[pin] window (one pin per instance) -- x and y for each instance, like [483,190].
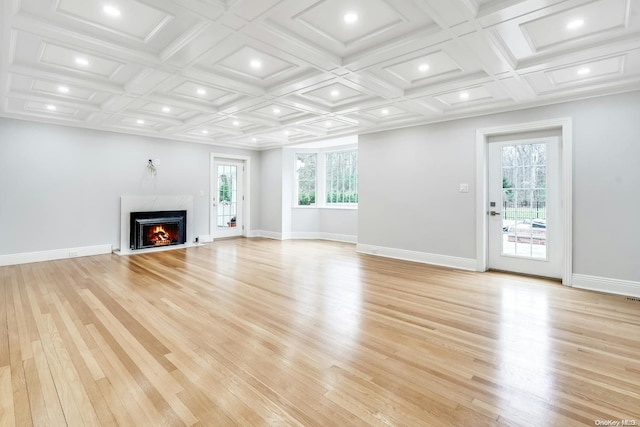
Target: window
[332,176]
[306,174]
[341,170]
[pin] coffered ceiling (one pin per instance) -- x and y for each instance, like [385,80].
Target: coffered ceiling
[266,73]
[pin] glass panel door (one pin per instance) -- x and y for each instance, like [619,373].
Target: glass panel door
[524,200]
[524,227]
[227,195]
[228,198]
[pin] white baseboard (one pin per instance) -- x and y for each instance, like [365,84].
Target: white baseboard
[422,257]
[605,284]
[25,258]
[304,236]
[346,238]
[205,238]
[253,233]
[128,251]
[266,234]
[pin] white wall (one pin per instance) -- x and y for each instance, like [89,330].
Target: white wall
[305,220]
[60,187]
[339,223]
[271,192]
[408,190]
[324,223]
[408,185]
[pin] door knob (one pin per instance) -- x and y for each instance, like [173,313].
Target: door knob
[494,213]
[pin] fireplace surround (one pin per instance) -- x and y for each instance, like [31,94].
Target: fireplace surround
[155,203]
[154,229]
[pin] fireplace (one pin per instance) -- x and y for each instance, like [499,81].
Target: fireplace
[156,229]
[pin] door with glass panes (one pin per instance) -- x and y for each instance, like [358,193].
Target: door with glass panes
[524,212]
[228,198]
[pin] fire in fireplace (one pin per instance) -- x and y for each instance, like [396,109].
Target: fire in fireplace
[161,228]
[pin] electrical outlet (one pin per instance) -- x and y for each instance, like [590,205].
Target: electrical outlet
[464,188]
[73,254]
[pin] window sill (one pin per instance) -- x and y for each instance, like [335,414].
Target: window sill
[337,208]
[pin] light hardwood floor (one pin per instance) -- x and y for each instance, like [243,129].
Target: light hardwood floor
[304,333]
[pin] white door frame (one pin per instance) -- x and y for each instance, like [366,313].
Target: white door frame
[566,177]
[246,187]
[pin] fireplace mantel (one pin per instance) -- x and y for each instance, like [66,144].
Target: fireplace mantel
[130,204]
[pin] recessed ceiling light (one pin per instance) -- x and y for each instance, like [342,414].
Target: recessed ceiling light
[385,111]
[140,121]
[255,64]
[254,139]
[201,91]
[286,132]
[111,11]
[335,93]
[276,111]
[577,23]
[328,124]
[82,61]
[51,107]
[584,71]
[205,132]
[423,67]
[63,89]
[236,123]
[350,17]
[166,109]
[464,95]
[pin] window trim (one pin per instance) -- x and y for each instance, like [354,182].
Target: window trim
[321,174]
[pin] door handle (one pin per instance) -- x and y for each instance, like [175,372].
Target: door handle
[493,213]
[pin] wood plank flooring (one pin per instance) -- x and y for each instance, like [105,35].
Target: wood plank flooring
[259,332]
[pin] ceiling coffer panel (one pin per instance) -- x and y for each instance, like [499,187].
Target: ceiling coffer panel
[267,73]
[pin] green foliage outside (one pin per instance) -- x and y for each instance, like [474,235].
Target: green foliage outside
[342,177]
[507,189]
[342,197]
[524,181]
[224,189]
[306,169]
[306,199]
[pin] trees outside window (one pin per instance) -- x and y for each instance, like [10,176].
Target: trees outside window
[331,177]
[224,189]
[306,174]
[524,177]
[342,177]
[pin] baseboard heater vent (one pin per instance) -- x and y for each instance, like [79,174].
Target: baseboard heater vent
[633,299]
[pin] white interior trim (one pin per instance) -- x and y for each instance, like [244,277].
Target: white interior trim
[246,190]
[415,256]
[54,254]
[605,284]
[482,140]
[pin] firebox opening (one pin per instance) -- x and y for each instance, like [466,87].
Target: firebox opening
[154,229]
[161,235]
